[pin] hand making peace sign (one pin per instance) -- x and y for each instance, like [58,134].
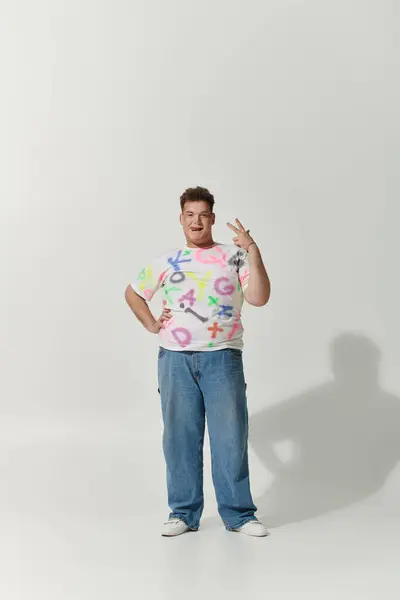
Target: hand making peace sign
[243,238]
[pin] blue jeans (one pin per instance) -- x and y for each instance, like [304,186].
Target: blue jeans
[193,386]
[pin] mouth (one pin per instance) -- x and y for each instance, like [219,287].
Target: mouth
[196,229]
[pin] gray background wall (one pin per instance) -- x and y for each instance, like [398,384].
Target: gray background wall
[288,112]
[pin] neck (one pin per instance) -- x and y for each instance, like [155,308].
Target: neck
[203,245]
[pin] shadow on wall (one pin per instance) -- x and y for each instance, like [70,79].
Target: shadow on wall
[344,438]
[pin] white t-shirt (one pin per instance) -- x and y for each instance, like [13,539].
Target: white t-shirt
[203,287]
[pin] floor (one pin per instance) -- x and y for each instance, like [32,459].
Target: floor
[80,519]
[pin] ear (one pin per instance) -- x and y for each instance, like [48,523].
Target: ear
[213,219]
[181,219]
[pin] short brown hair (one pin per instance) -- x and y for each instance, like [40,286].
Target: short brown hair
[197,194]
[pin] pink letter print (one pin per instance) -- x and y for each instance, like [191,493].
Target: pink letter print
[211,258]
[226,289]
[189,296]
[182,336]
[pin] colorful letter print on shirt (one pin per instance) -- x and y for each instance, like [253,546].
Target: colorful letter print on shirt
[203,287]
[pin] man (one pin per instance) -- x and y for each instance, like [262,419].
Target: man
[200,367]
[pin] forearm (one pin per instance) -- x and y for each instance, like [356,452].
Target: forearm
[140,308]
[258,288]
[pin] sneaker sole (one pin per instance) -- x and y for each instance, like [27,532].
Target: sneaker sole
[248,534]
[178,534]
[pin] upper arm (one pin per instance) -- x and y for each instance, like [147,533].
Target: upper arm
[130,292]
[131,296]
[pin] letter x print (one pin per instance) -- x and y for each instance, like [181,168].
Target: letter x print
[214,329]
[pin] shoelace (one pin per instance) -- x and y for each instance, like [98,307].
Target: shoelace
[172,521]
[252,522]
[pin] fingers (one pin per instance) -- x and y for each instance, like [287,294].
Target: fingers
[235,229]
[239,228]
[166,315]
[239,240]
[240,225]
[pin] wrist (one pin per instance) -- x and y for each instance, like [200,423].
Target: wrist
[250,245]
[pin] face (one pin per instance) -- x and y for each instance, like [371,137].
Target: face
[197,221]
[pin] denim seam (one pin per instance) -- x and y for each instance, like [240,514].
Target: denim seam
[231,528]
[183,521]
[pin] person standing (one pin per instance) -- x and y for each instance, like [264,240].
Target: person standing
[200,364]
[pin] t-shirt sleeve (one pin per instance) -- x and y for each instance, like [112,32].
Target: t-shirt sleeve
[150,279]
[244,269]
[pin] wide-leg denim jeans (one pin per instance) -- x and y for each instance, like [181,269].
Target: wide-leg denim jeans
[195,386]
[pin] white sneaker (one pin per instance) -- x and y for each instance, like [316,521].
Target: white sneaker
[175,527]
[253,528]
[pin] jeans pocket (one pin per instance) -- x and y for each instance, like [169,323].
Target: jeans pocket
[161,352]
[235,352]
